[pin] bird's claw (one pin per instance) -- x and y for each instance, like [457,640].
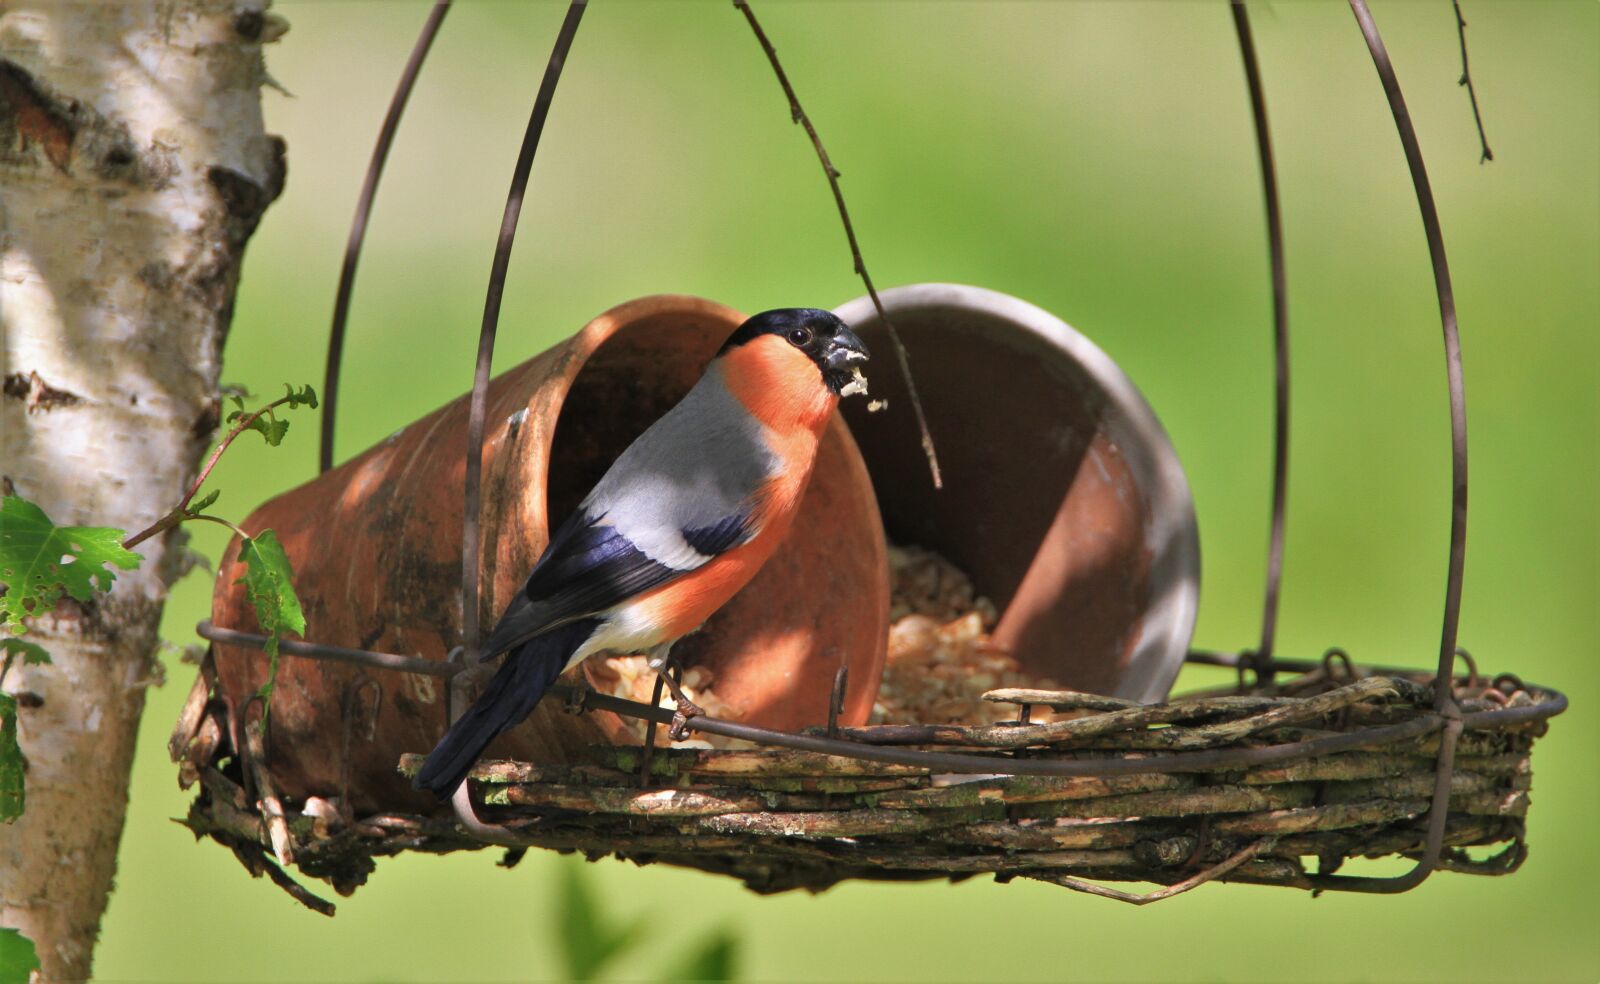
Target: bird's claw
[686,709]
[680,719]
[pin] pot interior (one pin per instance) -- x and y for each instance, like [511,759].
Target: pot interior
[1048,485]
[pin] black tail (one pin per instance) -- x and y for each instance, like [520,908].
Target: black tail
[510,696]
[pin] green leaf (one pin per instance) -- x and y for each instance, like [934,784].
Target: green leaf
[12,764]
[587,941]
[18,958]
[269,584]
[302,397]
[712,960]
[32,655]
[200,504]
[39,560]
[269,427]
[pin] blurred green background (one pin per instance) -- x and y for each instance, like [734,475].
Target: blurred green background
[1096,159]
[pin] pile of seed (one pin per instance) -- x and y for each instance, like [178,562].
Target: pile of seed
[941,657]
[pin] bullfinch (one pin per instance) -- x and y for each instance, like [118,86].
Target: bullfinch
[682,520]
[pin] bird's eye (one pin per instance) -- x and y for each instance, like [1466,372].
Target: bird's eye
[799,336]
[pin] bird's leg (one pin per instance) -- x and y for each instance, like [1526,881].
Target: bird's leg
[686,708]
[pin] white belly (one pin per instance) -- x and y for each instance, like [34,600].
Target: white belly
[625,630]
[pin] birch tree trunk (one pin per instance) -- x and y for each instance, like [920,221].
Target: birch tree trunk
[133,168]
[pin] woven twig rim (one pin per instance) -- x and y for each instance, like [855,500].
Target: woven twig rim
[782,818]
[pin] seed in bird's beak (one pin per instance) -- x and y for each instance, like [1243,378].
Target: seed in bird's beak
[857,383]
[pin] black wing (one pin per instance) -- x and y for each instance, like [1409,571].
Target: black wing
[586,569]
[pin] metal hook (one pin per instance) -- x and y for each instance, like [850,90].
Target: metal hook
[1472,667]
[1336,654]
[836,700]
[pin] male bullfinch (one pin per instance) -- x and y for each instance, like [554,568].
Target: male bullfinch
[682,520]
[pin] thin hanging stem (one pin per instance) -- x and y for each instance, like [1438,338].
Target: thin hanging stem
[799,116]
[1466,80]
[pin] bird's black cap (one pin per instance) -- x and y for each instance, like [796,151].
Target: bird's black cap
[820,334]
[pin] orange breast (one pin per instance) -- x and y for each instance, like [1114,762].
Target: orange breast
[683,605]
[781,388]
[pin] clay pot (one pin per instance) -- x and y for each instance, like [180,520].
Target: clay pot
[1063,498]
[376,546]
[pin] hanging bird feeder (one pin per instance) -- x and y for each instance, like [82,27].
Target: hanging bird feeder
[1080,531]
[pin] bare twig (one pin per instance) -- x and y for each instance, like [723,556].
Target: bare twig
[1466,80]
[268,802]
[257,863]
[1216,871]
[799,116]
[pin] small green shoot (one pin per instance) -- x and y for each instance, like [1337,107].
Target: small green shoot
[264,421]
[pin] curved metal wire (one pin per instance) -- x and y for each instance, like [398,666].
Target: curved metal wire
[470,539]
[1444,697]
[471,514]
[1452,333]
[1280,338]
[358,226]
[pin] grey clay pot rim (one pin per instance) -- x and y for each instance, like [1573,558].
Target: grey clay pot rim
[1171,532]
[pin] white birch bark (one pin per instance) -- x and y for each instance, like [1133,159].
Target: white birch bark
[133,167]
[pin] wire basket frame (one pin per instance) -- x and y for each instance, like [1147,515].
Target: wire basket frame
[1446,716]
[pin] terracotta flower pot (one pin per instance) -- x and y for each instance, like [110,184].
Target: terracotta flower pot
[376,545]
[1063,498]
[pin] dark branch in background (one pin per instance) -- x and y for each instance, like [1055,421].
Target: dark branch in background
[358,225]
[799,116]
[1466,80]
[1280,336]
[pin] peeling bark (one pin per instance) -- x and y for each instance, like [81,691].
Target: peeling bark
[133,169]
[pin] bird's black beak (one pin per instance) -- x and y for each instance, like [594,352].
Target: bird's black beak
[846,348]
[841,360]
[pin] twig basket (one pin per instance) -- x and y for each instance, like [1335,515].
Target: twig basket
[1243,786]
